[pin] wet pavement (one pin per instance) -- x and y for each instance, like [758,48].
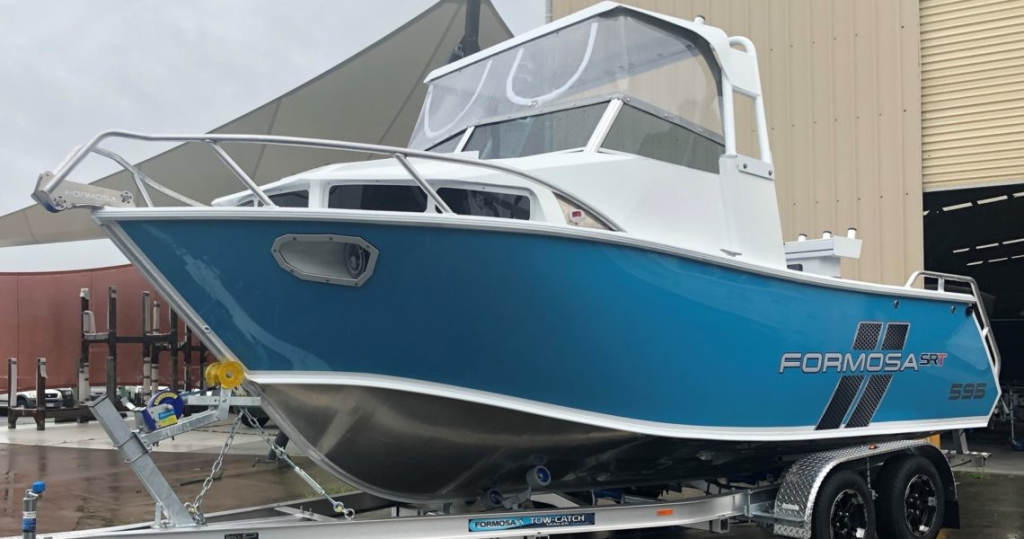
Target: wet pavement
[89,487]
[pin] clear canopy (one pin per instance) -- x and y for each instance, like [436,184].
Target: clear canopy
[613,53]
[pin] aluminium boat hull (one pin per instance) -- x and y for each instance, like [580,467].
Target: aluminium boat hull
[480,347]
[412,447]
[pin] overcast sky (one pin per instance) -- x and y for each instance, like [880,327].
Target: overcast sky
[69,69]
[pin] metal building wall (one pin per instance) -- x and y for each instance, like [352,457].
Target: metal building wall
[41,318]
[842,83]
[972,74]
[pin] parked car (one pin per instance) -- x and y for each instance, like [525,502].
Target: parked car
[27,399]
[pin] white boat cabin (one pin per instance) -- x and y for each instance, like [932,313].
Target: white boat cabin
[628,110]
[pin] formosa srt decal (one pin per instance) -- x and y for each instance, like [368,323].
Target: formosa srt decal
[873,351]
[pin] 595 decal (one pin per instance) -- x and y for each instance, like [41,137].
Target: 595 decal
[966,392]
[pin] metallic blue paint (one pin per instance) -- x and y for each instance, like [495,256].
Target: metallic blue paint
[583,324]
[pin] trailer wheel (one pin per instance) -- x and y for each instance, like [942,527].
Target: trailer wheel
[911,498]
[843,508]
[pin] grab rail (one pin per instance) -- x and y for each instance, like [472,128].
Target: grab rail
[94,196]
[986,330]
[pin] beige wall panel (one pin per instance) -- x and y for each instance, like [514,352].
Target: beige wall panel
[909,56]
[842,83]
[972,92]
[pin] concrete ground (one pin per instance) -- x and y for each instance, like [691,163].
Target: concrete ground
[88,486]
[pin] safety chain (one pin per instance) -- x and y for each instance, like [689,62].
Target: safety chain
[195,508]
[282,455]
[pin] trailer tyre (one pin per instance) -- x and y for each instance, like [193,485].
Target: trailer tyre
[843,508]
[911,499]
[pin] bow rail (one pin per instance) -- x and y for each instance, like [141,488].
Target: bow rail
[56,193]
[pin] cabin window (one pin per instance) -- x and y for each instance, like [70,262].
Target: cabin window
[642,133]
[291,199]
[449,145]
[531,135]
[486,203]
[617,52]
[378,197]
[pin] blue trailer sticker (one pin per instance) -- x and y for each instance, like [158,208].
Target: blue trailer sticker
[531,522]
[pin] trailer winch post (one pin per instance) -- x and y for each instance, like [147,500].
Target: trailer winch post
[136,455]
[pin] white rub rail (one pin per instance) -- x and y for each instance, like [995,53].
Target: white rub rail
[84,195]
[986,325]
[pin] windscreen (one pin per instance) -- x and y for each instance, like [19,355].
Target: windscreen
[665,66]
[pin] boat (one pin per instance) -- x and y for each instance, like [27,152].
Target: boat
[570,281]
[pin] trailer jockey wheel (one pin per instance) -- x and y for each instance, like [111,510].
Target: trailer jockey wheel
[911,499]
[843,508]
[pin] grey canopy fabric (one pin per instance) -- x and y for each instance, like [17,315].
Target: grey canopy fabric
[374,97]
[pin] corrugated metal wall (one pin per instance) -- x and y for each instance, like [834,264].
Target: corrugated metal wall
[972,74]
[843,90]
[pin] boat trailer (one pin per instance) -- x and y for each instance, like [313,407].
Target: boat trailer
[784,505]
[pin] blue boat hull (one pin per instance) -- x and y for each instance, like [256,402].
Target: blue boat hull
[626,350]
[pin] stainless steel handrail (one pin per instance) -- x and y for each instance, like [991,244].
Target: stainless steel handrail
[48,183]
[986,330]
[141,180]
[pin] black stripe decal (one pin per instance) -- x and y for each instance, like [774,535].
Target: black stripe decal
[842,398]
[869,401]
[895,336]
[867,335]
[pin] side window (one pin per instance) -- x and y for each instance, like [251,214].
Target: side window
[486,203]
[532,135]
[379,197]
[449,145]
[641,133]
[291,199]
